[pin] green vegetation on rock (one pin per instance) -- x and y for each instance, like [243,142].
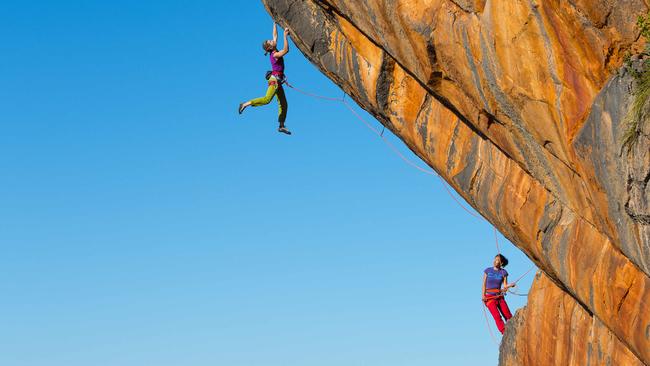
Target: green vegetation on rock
[639,67]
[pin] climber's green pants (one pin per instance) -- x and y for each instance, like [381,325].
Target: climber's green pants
[274,89]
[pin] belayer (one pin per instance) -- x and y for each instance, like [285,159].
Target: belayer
[493,294]
[275,79]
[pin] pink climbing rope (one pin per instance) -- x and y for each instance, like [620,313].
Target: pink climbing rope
[496,240]
[398,153]
[426,171]
[388,143]
[313,95]
[523,275]
[407,160]
[487,322]
[511,292]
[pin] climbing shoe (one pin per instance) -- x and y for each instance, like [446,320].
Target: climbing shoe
[284,130]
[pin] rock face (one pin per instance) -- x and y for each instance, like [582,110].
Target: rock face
[519,106]
[553,319]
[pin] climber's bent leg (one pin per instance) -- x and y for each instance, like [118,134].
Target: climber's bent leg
[270,92]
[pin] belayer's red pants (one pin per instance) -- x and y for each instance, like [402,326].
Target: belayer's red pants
[497,308]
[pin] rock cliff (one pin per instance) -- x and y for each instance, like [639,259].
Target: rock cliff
[519,105]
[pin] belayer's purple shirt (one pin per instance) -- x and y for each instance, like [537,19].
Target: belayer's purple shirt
[494,277]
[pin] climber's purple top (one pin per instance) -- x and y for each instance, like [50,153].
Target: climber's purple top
[277,64]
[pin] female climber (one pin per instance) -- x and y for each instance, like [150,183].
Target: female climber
[493,278]
[275,79]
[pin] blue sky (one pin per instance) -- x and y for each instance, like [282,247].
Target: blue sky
[144,222]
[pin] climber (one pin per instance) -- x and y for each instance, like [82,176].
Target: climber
[275,79]
[493,294]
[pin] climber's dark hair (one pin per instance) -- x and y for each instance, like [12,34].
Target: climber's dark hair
[504,260]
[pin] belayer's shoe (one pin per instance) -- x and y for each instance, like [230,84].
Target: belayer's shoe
[284,130]
[241,108]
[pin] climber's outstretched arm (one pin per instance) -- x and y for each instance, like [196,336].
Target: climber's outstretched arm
[275,33]
[285,50]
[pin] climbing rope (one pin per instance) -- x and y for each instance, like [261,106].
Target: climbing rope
[496,240]
[397,152]
[388,143]
[512,292]
[426,171]
[523,275]
[313,95]
[487,322]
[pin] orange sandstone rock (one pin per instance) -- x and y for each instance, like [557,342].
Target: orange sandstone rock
[553,329]
[519,106]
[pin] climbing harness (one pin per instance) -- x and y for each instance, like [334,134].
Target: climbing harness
[313,95]
[496,291]
[426,171]
[280,77]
